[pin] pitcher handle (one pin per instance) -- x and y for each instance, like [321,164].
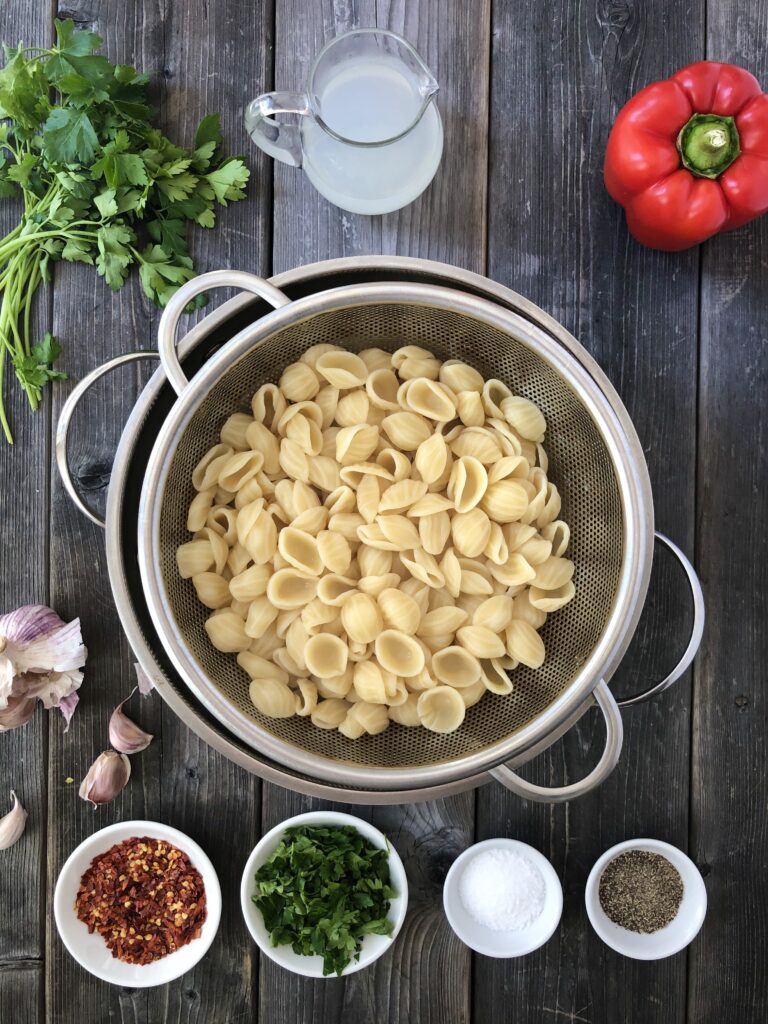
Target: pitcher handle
[166,332]
[281,141]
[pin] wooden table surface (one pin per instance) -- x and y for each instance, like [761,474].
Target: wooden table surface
[528,92]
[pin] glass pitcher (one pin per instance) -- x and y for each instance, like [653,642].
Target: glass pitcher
[370,135]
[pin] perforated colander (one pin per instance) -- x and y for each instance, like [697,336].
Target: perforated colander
[597,467]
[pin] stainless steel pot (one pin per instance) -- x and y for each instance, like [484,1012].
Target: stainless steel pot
[396,784]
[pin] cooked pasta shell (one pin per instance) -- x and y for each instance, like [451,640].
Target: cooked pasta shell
[334,551]
[442,621]
[481,641]
[257,532]
[266,644]
[536,551]
[467,484]
[329,714]
[399,653]
[473,694]
[296,638]
[212,589]
[518,534]
[373,561]
[544,600]
[471,532]
[272,698]
[335,589]
[226,631]
[306,433]
[398,530]
[430,505]
[306,698]
[251,491]
[347,524]
[399,610]
[559,535]
[327,401]
[455,666]
[199,508]
[505,501]
[313,353]
[290,588]
[381,387]
[394,462]
[515,571]
[344,370]
[370,718]
[268,405]
[317,614]
[354,475]
[261,614]
[206,472]
[361,618]
[326,655]
[234,430]
[431,458]
[469,603]
[419,591]
[495,614]
[524,644]
[223,520]
[400,355]
[478,443]
[509,466]
[261,439]
[301,550]
[258,667]
[355,444]
[311,520]
[353,408]
[324,472]
[415,367]
[375,358]
[553,573]
[551,509]
[369,683]
[494,678]
[238,559]
[406,430]
[402,495]
[424,567]
[368,497]
[472,582]
[525,417]
[494,392]
[341,499]
[406,713]
[293,460]
[496,550]
[441,709]
[336,686]
[460,377]
[469,406]
[329,442]
[434,532]
[451,572]
[374,585]
[194,557]
[431,399]
[299,382]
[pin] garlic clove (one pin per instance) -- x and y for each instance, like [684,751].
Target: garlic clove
[124,735]
[12,825]
[17,711]
[105,778]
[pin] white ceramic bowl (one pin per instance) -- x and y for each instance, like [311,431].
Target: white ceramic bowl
[666,941]
[90,950]
[486,940]
[373,946]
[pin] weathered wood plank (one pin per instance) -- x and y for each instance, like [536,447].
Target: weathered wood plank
[729,831]
[555,236]
[24,503]
[211,57]
[425,977]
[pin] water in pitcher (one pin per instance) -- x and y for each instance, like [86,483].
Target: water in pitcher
[369,101]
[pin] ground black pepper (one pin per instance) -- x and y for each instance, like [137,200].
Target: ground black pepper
[144,897]
[641,891]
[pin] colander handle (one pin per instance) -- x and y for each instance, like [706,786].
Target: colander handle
[697,629]
[614,736]
[65,417]
[179,300]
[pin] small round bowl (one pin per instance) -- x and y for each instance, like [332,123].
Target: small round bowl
[668,940]
[486,940]
[373,946]
[90,950]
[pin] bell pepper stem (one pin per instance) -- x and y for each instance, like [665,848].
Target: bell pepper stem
[708,144]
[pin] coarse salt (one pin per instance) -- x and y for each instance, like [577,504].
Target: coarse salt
[503,890]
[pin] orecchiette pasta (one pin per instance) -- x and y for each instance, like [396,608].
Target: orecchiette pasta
[377,540]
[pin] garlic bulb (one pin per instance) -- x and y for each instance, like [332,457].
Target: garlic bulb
[105,778]
[17,711]
[124,735]
[12,824]
[40,657]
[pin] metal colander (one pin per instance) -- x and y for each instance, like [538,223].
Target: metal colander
[592,462]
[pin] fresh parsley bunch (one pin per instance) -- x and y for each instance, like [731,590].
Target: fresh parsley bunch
[100,185]
[322,890]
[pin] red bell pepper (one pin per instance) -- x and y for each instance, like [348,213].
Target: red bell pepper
[688,157]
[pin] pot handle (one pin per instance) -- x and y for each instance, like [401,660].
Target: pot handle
[697,629]
[180,299]
[614,736]
[65,416]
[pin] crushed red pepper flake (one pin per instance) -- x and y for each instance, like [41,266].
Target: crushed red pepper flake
[144,897]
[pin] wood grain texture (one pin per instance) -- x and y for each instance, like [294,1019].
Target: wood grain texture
[178,779]
[729,825]
[555,236]
[454,39]
[24,507]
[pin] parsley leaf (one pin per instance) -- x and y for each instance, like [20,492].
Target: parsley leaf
[68,137]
